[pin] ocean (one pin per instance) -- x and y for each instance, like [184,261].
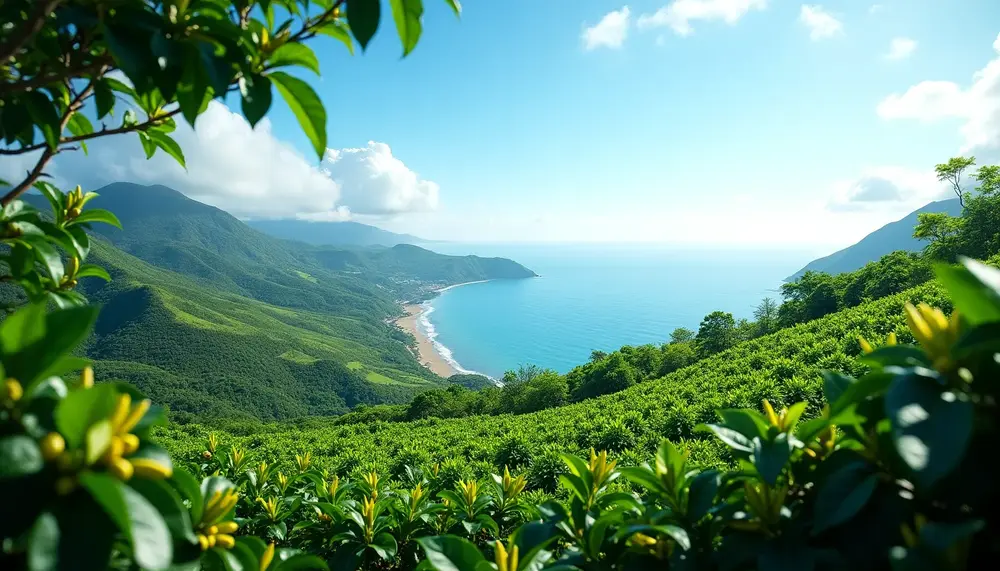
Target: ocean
[594,297]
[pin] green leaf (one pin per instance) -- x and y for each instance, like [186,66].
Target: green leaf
[384,545]
[644,477]
[49,257]
[104,98]
[339,32]
[169,146]
[148,146]
[843,494]
[294,54]
[834,385]
[97,215]
[931,427]
[255,91]
[135,516]
[407,14]
[19,456]
[451,553]
[81,409]
[749,423]
[56,198]
[732,438]
[43,114]
[771,456]
[306,106]
[701,494]
[363,17]
[79,125]
[25,328]
[43,545]
[302,561]
[93,271]
[896,355]
[169,504]
[189,489]
[456,7]
[98,440]
[974,294]
[872,384]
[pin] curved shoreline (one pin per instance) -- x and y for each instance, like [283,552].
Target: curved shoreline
[431,353]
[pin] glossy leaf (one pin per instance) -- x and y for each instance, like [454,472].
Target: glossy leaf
[407,15]
[363,18]
[306,106]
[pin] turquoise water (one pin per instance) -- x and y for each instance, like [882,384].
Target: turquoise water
[594,297]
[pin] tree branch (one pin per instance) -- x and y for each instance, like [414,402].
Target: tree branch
[32,26]
[55,76]
[307,30]
[49,152]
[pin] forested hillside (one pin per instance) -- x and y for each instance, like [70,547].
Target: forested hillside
[213,318]
[782,367]
[894,236]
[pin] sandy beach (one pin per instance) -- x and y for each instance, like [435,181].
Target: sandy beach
[427,355]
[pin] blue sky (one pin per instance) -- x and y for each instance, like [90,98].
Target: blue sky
[716,122]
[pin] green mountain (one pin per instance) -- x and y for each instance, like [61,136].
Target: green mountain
[332,233]
[214,318]
[893,236]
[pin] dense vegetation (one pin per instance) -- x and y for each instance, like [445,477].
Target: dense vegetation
[249,325]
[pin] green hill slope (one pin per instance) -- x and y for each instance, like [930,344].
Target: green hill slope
[211,352]
[783,367]
[893,236]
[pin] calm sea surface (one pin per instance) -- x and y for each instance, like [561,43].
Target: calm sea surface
[594,297]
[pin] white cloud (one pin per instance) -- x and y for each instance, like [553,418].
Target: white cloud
[821,23]
[901,48]
[610,32]
[679,14]
[372,181]
[978,106]
[887,189]
[249,173]
[876,8]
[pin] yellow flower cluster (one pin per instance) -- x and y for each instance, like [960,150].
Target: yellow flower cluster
[512,486]
[69,273]
[74,203]
[211,531]
[271,507]
[333,487]
[601,468]
[303,461]
[781,420]
[506,560]
[123,443]
[867,347]
[371,478]
[935,332]
[368,515]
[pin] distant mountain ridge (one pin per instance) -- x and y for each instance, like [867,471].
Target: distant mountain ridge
[325,233]
[893,236]
[212,317]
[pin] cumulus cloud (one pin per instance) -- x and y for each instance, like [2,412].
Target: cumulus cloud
[887,189]
[977,106]
[373,181]
[821,23]
[610,32]
[901,48]
[679,14]
[249,173]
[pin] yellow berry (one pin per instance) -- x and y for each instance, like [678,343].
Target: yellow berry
[225,541]
[131,443]
[87,378]
[227,527]
[121,469]
[52,446]
[206,455]
[203,542]
[150,469]
[13,390]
